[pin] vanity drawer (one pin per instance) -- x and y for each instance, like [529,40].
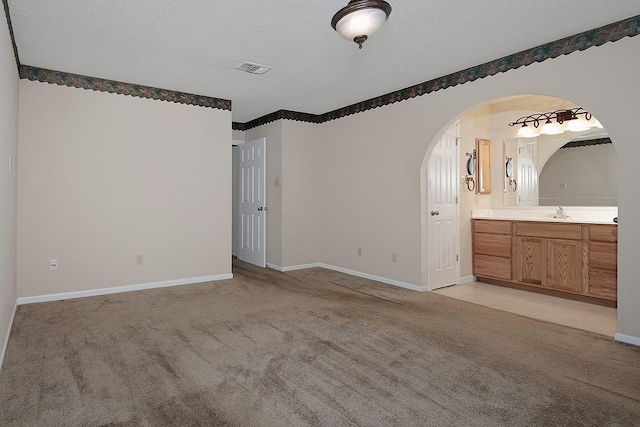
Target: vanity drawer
[549,230]
[492,244]
[492,266]
[491,226]
[603,256]
[603,233]
[603,284]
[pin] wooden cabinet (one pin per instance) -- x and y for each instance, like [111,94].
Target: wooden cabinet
[564,265]
[565,259]
[603,263]
[492,249]
[530,260]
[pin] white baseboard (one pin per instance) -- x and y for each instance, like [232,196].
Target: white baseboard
[376,278]
[467,279]
[293,267]
[6,338]
[627,339]
[274,267]
[118,289]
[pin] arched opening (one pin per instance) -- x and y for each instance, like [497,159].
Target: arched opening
[523,194]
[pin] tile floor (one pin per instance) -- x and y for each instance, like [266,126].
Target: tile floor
[581,315]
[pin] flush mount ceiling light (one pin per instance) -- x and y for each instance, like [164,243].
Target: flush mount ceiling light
[360,19]
[555,122]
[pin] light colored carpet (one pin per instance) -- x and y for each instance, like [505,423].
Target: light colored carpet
[311,347]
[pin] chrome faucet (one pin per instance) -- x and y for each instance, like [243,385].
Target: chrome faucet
[561,214]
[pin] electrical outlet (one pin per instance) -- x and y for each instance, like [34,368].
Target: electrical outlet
[394,257]
[139,260]
[359,251]
[53,265]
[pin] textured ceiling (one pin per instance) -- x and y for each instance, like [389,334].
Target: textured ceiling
[194,46]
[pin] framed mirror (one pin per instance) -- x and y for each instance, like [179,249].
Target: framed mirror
[562,170]
[483,150]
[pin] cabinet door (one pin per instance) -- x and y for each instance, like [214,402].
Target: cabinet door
[603,284]
[603,263]
[564,265]
[530,266]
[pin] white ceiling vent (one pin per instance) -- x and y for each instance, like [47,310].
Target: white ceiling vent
[253,68]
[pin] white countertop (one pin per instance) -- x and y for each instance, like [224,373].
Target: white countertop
[588,215]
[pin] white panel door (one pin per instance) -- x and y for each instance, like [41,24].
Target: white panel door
[252,204]
[443,227]
[528,191]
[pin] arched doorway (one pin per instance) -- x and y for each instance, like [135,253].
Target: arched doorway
[490,121]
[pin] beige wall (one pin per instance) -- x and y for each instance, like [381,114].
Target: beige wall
[299,193]
[105,177]
[237,135]
[369,188]
[292,217]
[9,90]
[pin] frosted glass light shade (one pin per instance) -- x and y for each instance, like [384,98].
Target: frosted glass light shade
[360,19]
[365,22]
[595,123]
[578,125]
[527,131]
[552,128]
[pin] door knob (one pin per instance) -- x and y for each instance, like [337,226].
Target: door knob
[434,213]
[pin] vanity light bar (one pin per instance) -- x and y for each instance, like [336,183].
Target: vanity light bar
[548,119]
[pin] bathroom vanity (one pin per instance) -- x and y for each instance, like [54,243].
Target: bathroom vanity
[565,258]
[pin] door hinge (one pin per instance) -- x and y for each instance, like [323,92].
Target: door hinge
[457,140]
[456,200]
[457,258]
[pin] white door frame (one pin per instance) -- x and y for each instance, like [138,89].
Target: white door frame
[236,201]
[456,225]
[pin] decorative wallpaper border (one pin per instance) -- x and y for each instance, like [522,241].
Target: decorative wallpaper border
[278,115]
[5,3]
[609,33]
[587,143]
[102,85]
